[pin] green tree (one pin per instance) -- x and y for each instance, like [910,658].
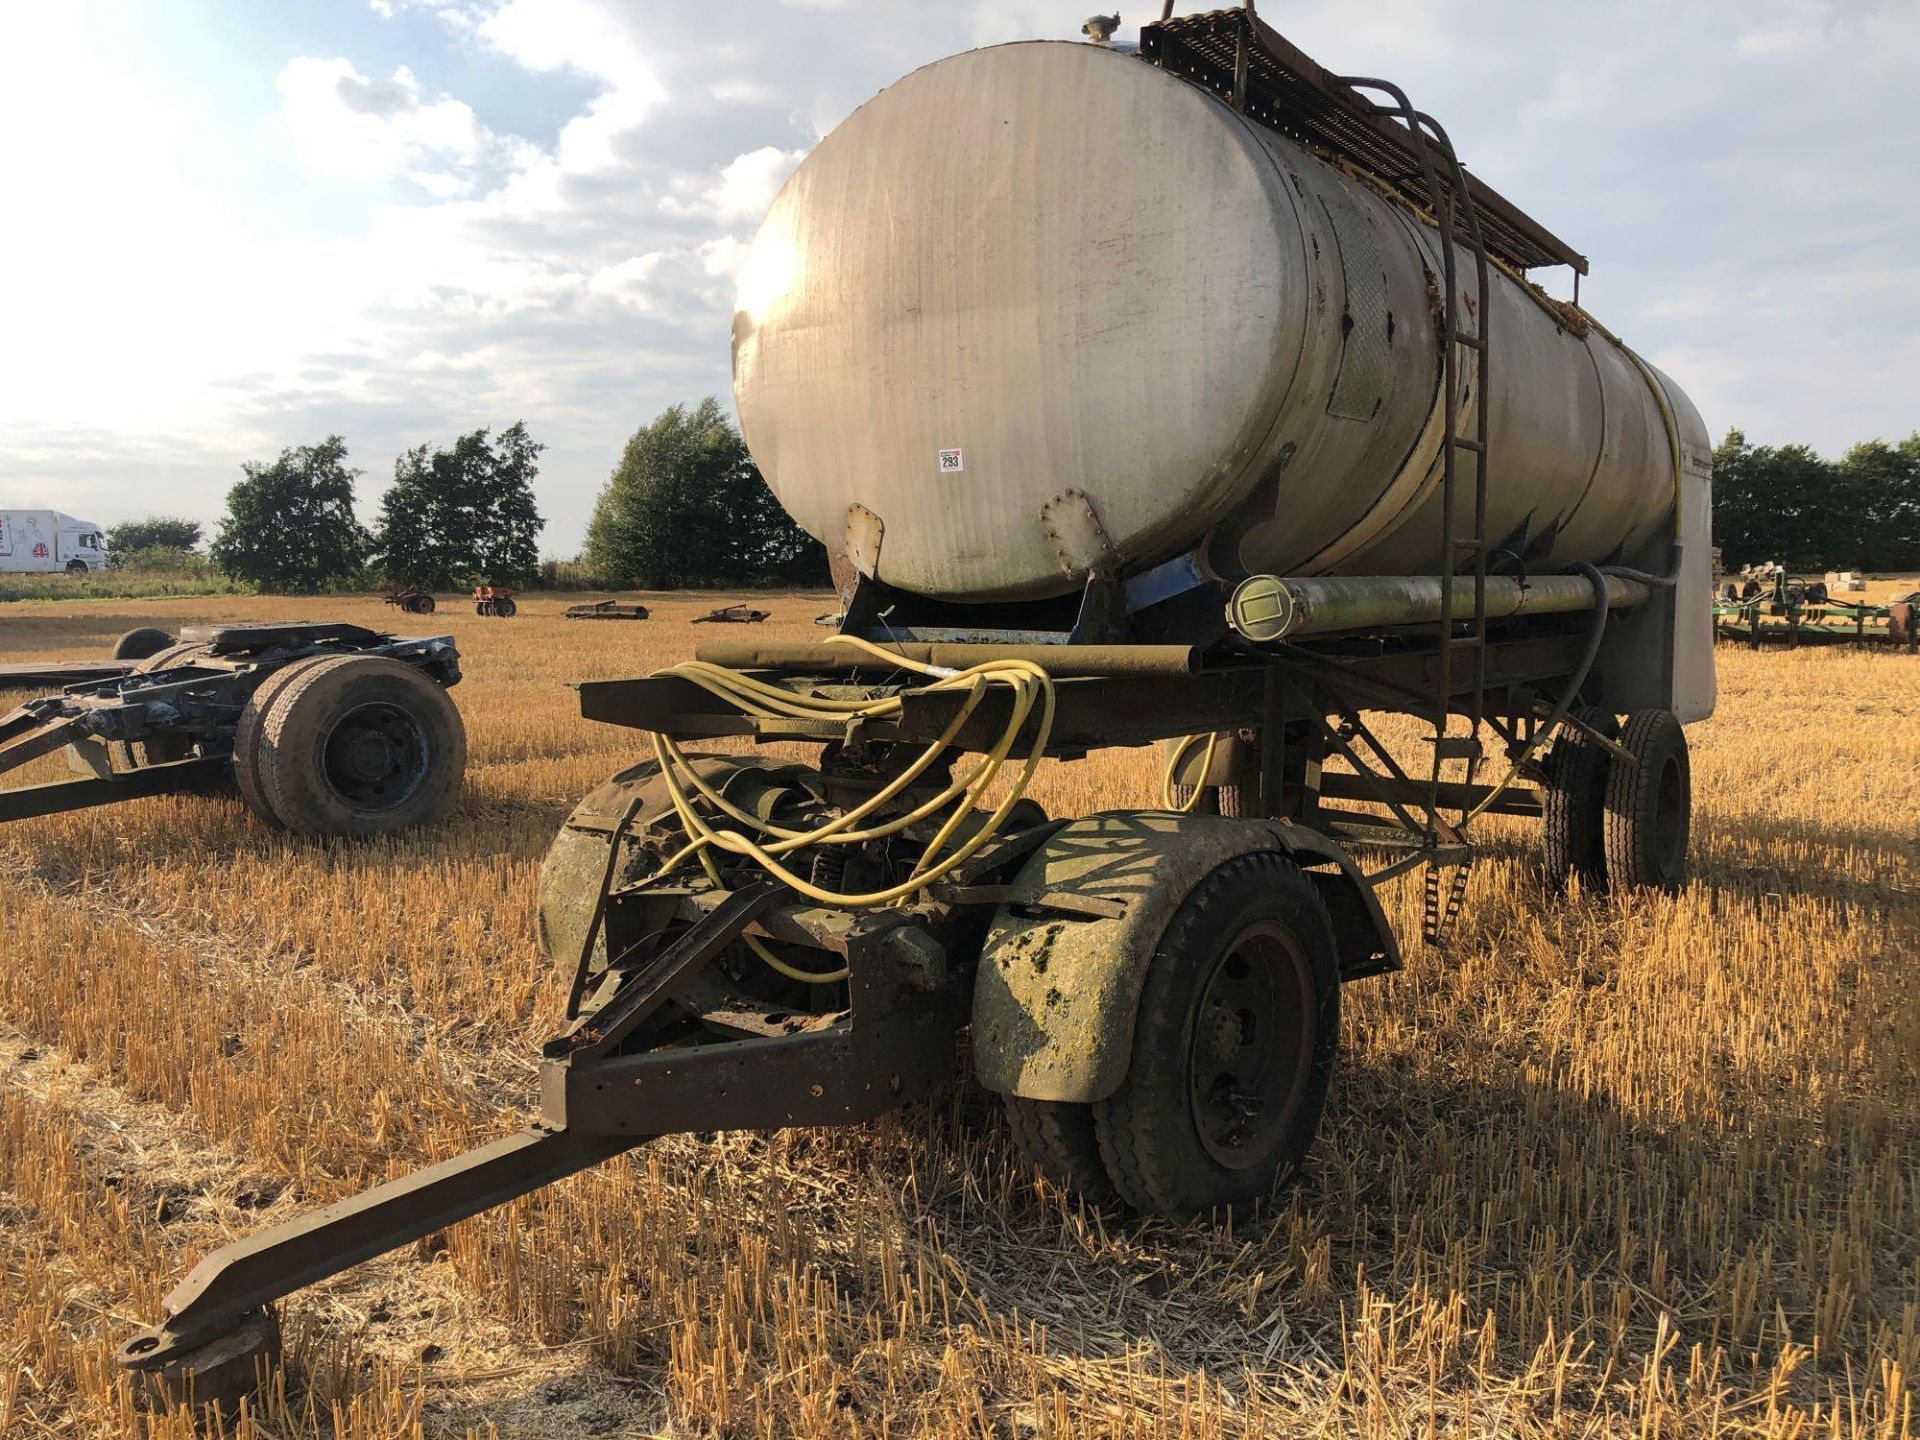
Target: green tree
[1878,485]
[1787,503]
[1772,503]
[154,532]
[687,507]
[290,525]
[463,515]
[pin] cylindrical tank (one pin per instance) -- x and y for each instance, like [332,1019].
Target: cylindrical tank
[1046,268]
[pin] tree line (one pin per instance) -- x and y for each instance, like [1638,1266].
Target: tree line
[685,507]
[1788,504]
[452,517]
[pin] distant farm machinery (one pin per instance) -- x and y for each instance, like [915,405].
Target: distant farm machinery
[607,610]
[412,600]
[1767,606]
[732,615]
[327,729]
[494,600]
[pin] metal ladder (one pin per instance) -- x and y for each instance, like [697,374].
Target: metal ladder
[1458,223]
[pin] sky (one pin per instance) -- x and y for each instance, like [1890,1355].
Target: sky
[232,227]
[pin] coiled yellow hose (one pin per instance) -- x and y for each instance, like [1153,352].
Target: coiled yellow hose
[1032,687]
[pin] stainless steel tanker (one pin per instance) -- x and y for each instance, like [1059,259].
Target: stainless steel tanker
[1046,265]
[1128,417]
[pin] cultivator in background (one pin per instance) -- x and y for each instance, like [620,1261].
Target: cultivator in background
[732,615]
[1768,606]
[412,600]
[327,729]
[494,600]
[608,610]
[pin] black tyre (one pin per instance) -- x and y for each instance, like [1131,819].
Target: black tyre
[1649,810]
[360,745]
[1573,832]
[76,567]
[421,605]
[1235,802]
[1058,1139]
[140,644]
[504,607]
[1233,1047]
[483,607]
[249,738]
[165,747]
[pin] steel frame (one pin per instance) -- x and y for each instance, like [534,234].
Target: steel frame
[200,699]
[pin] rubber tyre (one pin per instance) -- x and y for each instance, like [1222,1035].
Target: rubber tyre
[1234,802]
[1149,1137]
[1649,808]
[483,607]
[293,749]
[504,608]
[1573,832]
[1058,1139]
[141,644]
[249,738]
[422,605]
[165,748]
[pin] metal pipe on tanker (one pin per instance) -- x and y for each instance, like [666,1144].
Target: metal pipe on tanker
[1063,662]
[1269,608]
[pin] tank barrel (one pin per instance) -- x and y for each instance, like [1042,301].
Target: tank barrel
[1270,608]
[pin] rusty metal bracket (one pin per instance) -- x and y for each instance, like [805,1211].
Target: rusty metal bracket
[865,532]
[637,995]
[1078,537]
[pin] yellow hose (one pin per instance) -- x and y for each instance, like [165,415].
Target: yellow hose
[1031,686]
[1186,807]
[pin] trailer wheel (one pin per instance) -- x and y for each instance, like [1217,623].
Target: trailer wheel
[421,605]
[360,745]
[141,643]
[1573,834]
[1233,1045]
[1058,1139]
[249,738]
[1649,809]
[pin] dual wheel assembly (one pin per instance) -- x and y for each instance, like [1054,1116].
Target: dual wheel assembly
[1619,802]
[332,744]
[348,745]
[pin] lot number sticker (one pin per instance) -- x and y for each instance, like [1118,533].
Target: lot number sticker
[950,462]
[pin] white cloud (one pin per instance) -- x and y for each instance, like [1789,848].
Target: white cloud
[744,188]
[343,124]
[629,282]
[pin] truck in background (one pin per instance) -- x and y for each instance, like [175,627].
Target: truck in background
[42,541]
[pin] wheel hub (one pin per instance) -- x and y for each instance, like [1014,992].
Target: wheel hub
[376,756]
[1251,1046]
[1223,1032]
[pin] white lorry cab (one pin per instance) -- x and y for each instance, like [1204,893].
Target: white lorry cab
[46,540]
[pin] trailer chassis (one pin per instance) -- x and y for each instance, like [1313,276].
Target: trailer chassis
[191,705]
[613,1078]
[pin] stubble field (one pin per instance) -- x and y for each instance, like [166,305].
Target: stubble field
[1648,1167]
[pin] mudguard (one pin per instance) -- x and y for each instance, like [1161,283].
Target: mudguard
[1056,991]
